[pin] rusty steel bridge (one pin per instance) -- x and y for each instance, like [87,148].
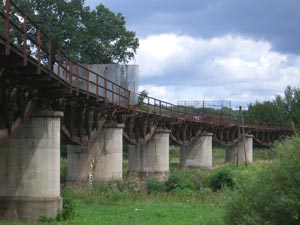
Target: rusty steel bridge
[88,100]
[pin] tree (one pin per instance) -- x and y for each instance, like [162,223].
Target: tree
[107,39]
[85,35]
[264,112]
[283,110]
[141,97]
[292,101]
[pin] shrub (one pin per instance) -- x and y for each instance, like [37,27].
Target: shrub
[181,181]
[155,186]
[274,197]
[68,210]
[219,179]
[130,186]
[46,219]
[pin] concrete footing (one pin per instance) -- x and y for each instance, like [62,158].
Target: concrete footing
[150,160]
[197,154]
[30,170]
[238,151]
[100,161]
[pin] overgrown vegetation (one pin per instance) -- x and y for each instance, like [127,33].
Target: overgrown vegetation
[274,196]
[221,178]
[155,186]
[179,182]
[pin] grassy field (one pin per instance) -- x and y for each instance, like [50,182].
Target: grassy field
[128,203]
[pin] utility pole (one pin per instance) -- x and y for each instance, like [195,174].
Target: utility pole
[243,132]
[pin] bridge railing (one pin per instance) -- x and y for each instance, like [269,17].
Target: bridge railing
[155,106]
[79,78]
[20,31]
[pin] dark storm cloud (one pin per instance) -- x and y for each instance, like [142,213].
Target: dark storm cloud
[273,20]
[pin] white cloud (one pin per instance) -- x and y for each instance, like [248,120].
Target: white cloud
[176,67]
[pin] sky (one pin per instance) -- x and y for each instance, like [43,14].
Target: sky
[194,50]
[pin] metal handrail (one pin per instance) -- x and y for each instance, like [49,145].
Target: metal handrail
[13,12]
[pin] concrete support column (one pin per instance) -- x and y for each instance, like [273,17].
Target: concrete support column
[197,154]
[150,160]
[30,170]
[101,160]
[238,149]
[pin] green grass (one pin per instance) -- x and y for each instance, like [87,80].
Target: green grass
[127,203]
[263,154]
[218,156]
[151,211]
[144,209]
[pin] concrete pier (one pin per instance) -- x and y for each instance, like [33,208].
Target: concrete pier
[150,160]
[197,154]
[238,149]
[100,161]
[30,170]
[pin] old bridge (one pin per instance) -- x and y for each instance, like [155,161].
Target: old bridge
[40,107]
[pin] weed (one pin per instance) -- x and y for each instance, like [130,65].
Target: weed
[46,219]
[221,178]
[68,210]
[180,181]
[155,186]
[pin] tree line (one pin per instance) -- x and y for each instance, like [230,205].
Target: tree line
[283,110]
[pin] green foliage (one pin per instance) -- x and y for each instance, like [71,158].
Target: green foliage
[141,97]
[2,23]
[181,181]
[266,112]
[112,193]
[274,197]
[63,151]
[46,219]
[85,35]
[218,155]
[281,111]
[68,210]
[174,153]
[125,152]
[155,186]
[220,179]
[116,187]
[63,166]
[263,154]
[63,171]
[122,186]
